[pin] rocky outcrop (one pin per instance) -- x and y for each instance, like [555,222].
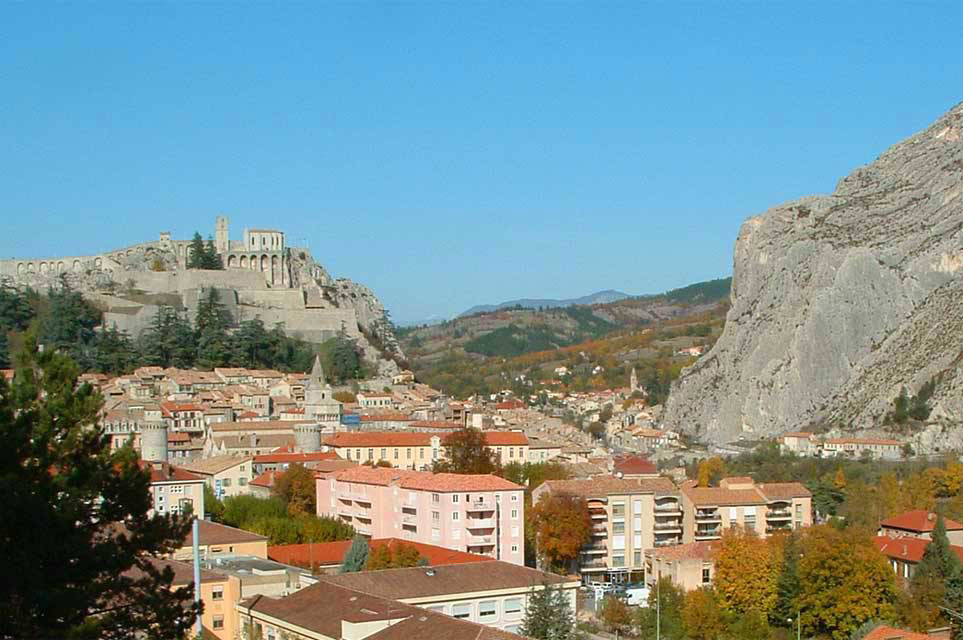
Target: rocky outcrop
[841,301]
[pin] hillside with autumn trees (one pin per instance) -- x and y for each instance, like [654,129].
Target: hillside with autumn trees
[522,349]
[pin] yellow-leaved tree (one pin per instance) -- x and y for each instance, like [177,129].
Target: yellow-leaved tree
[844,582]
[747,570]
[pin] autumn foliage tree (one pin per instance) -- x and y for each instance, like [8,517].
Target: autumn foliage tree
[614,614]
[562,525]
[747,570]
[710,471]
[296,488]
[392,556]
[467,452]
[844,581]
[702,616]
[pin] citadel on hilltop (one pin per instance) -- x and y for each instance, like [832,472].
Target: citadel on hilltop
[262,278]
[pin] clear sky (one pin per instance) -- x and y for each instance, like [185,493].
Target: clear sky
[452,154]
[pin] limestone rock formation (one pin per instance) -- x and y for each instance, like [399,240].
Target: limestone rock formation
[841,301]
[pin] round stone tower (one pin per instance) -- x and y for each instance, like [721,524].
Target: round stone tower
[153,441]
[307,437]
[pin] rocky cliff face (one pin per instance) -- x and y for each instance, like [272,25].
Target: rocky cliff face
[840,301]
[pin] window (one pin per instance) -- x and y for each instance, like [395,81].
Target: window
[514,497]
[384,454]
[242,482]
[435,516]
[408,453]
[706,577]
[514,548]
[454,498]
[618,561]
[358,452]
[241,468]
[454,515]
[514,531]
[461,610]
[514,514]
[750,521]
[513,605]
[226,482]
[218,622]
[637,559]
[487,609]
[217,593]
[618,509]
[396,453]
[435,498]
[511,452]
[349,454]
[370,454]
[618,527]
[421,453]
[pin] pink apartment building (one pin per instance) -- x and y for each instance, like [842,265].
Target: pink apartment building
[481,514]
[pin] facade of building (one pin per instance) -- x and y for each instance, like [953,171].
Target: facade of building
[763,508]
[628,517]
[690,566]
[174,490]
[225,475]
[418,449]
[219,539]
[479,514]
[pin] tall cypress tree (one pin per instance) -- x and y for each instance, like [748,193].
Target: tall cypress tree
[787,585]
[197,257]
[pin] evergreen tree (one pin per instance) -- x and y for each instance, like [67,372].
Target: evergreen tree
[80,550]
[250,345]
[114,352]
[210,330]
[4,350]
[345,361]
[928,587]
[666,604]
[15,309]
[169,341]
[787,585]
[953,600]
[548,615]
[197,257]
[356,557]
[69,326]
[212,259]
[467,452]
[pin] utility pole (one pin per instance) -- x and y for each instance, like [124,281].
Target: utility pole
[658,608]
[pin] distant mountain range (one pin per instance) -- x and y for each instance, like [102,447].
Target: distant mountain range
[599,297]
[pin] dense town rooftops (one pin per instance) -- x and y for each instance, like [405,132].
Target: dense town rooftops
[918,521]
[425,480]
[332,553]
[419,582]
[404,439]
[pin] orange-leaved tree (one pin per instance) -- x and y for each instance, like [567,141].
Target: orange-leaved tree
[844,582]
[562,526]
[703,616]
[392,556]
[747,570]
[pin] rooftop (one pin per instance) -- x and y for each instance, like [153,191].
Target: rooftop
[601,486]
[919,521]
[425,480]
[332,553]
[691,551]
[289,457]
[216,533]
[165,472]
[210,466]
[422,582]
[883,632]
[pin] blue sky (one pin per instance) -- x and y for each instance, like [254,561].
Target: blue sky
[452,154]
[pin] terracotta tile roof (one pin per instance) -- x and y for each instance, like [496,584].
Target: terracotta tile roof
[704,550]
[183,572]
[282,457]
[322,607]
[719,496]
[177,437]
[379,439]
[216,533]
[266,425]
[425,480]
[883,632]
[602,486]
[164,472]
[784,490]
[505,438]
[506,406]
[920,521]
[210,466]
[266,479]
[175,406]
[416,582]
[634,465]
[331,553]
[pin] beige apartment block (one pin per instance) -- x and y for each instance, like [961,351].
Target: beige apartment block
[225,475]
[690,566]
[628,516]
[762,508]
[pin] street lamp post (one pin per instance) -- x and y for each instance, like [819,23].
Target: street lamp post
[798,625]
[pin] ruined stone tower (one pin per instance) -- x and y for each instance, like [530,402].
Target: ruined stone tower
[221,236]
[633,381]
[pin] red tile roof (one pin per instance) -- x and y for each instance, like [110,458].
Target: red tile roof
[505,438]
[703,550]
[919,521]
[282,457]
[425,480]
[634,465]
[331,553]
[883,632]
[215,533]
[164,472]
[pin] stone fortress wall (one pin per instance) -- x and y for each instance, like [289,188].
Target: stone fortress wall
[262,278]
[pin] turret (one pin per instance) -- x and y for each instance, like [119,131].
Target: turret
[153,441]
[307,437]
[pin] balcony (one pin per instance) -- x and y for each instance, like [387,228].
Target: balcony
[668,507]
[779,514]
[780,528]
[708,516]
[409,519]
[593,564]
[481,540]
[668,526]
[480,505]
[599,515]
[595,549]
[667,543]
[708,534]
[479,523]
[363,500]
[600,531]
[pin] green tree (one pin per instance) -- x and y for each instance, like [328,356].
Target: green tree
[80,549]
[4,349]
[356,556]
[210,330]
[927,588]
[548,615]
[197,256]
[211,259]
[467,452]
[787,585]
[213,507]
[666,604]
[168,341]
[751,625]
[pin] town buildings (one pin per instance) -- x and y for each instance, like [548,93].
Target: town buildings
[810,444]
[173,490]
[225,475]
[418,450]
[690,566]
[480,514]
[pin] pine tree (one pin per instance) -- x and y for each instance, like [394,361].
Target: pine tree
[548,615]
[169,341]
[210,331]
[212,259]
[79,546]
[197,253]
[928,587]
[4,349]
[787,586]
[356,557]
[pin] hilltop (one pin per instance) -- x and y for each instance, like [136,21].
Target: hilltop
[599,297]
